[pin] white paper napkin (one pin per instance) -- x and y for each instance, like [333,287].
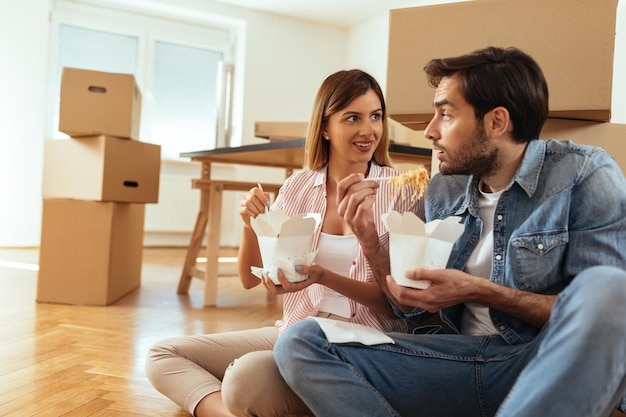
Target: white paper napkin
[338,331]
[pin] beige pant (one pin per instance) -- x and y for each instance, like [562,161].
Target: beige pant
[240,364]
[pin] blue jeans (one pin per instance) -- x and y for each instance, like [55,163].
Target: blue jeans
[575,367]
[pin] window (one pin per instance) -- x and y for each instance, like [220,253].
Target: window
[181,68]
[185,96]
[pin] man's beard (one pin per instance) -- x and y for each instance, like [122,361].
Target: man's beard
[478,157]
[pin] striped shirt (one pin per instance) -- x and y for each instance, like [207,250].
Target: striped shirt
[305,192]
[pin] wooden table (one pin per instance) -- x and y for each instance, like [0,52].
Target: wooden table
[288,154]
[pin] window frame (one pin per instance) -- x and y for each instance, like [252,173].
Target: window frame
[149,25]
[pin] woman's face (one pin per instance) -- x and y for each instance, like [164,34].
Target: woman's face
[354,132]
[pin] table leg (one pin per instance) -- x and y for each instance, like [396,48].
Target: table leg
[213,245]
[195,244]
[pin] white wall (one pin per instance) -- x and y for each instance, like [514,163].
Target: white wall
[286,62]
[618,103]
[368,46]
[23,47]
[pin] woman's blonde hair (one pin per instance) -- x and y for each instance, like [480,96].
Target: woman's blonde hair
[335,93]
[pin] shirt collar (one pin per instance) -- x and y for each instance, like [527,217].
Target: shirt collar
[320,177]
[527,176]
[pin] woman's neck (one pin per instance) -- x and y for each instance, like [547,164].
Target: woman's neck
[336,172]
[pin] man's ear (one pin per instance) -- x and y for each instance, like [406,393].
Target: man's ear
[498,122]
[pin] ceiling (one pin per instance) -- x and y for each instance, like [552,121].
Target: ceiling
[344,13]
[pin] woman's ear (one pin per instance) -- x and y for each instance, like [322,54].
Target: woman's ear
[325,134]
[498,122]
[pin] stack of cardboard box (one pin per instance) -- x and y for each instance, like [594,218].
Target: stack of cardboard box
[573,41]
[95,187]
[277,131]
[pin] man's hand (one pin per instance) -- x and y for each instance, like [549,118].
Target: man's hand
[448,287]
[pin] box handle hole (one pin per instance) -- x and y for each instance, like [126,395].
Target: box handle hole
[96,89]
[132,184]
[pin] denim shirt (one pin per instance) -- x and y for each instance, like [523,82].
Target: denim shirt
[563,213]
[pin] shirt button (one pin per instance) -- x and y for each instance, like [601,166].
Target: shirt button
[499,217]
[540,246]
[502,328]
[498,257]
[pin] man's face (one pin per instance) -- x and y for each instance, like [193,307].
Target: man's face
[459,140]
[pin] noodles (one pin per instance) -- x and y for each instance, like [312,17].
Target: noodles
[417,178]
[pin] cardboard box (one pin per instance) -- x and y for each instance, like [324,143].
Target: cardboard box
[413,136]
[99,103]
[280,130]
[90,252]
[609,136]
[572,40]
[102,168]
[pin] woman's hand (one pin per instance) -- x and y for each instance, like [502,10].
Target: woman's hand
[354,203]
[253,203]
[314,272]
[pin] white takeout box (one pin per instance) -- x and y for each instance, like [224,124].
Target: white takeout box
[284,243]
[413,244]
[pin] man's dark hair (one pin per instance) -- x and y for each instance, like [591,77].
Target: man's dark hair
[493,77]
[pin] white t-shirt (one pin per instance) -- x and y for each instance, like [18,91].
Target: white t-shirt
[476,319]
[336,253]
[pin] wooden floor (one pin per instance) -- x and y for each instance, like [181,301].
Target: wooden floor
[78,361]
[61,360]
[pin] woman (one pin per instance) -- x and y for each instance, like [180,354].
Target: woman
[347,134]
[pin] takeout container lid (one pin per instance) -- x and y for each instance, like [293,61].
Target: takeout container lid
[284,243]
[414,244]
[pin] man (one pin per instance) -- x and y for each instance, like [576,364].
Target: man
[535,288]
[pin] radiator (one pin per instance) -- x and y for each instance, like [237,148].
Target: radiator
[171,221]
[177,208]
